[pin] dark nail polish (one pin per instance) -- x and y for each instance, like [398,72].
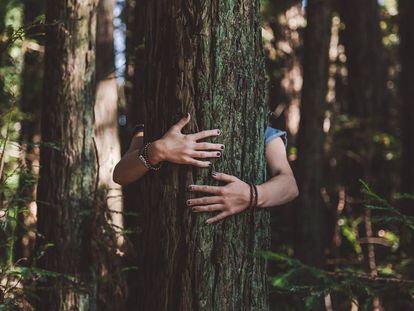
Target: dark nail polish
[214,174]
[188,202]
[222,147]
[219,132]
[189,188]
[193,209]
[218,154]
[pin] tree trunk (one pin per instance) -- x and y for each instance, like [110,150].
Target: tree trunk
[108,220]
[66,191]
[365,60]
[311,241]
[406,8]
[367,76]
[366,98]
[204,58]
[134,88]
[30,104]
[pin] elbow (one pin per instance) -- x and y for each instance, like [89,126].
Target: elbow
[116,176]
[295,189]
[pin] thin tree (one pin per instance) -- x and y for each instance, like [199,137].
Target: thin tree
[310,218]
[108,217]
[367,76]
[407,93]
[203,58]
[68,178]
[30,105]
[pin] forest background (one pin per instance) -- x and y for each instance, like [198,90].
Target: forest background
[340,82]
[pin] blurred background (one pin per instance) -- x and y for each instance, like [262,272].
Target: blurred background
[347,242]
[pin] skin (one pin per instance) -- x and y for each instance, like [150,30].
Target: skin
[174,147]
[227,200]
[234,197]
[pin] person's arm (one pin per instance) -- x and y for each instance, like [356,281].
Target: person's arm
[174,147]
[130,168]
[234,197]
[281,188]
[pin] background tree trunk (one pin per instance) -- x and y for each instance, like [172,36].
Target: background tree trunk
[108,220]
[406,7]
[367,77]
[68,162]
[311,211]
[204,58]
[366,98]
[365,60]
[30,104]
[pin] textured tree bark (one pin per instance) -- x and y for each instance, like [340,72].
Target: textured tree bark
[134,87]
[407,93]
[68,179]
[310,241]
[205,58]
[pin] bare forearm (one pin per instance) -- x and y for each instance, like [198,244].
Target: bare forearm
[129,169]
[279,190]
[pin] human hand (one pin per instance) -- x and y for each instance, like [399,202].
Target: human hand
[230,199]
[176,147]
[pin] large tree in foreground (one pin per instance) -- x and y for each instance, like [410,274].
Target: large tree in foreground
[205,58]
[68,162]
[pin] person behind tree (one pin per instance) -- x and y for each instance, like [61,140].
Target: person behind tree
[235,195]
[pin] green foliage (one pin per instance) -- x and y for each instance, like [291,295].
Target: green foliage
[308,286]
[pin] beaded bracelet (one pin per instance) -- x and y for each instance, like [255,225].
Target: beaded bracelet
[143,156]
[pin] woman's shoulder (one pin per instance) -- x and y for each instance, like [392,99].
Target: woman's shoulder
[272,133]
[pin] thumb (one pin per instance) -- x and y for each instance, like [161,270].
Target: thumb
[183,122]
[224,177]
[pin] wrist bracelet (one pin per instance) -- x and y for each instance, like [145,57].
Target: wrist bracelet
[251,197]
[143,156]
[256,196]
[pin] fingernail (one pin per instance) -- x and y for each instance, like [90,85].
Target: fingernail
[214,174]
[209,164]
[193,209]
[218,154]
[188,202]
[222,147]
[218,132]
[189,188]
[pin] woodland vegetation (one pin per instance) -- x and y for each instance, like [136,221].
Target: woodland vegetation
[77,76]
